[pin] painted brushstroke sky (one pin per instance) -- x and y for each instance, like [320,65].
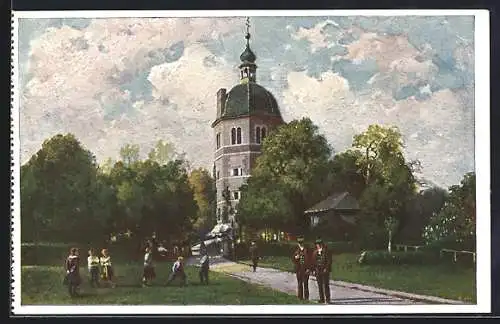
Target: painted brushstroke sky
[137,80]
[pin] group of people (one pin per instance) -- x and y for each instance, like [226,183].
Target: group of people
[315,261]
[99,267]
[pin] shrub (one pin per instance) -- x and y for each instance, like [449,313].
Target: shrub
[398,258]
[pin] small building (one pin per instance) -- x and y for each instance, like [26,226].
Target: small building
[335,217]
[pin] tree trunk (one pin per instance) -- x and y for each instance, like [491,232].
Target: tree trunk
[389,244]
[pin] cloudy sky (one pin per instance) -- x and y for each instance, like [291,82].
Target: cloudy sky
[138,80]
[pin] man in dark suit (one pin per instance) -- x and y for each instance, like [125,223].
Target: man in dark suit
[302,260]
[322,264]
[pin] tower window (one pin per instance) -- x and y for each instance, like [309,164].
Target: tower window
[218,174]
[260,134]
[217,139]
[238,135]
[233,136]
[236,195]
[218,215]
[237,172]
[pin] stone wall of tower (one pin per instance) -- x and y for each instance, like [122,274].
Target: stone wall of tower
[240,156]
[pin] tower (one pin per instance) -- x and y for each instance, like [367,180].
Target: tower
[245,115]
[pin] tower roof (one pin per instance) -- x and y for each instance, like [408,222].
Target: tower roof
[249,99]
[248,56]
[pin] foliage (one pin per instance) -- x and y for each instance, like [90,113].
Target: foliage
[202,185]
[130,153]
[60,193]
[288,177]
[456,221]
[67,197]
[398,258]
[390,183]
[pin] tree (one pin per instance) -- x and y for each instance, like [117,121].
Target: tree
[377,144]
[203,189]
[390,183]
[162,153]
[264,205]
[295,157]
[420,209]
[346,175]
[455,223]
[59,190]
[129,153]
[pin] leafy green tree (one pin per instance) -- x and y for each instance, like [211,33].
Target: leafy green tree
[456,221]
[203,189]
[390,183]
[295,158]
[59,190]
[162,153]
[130,153]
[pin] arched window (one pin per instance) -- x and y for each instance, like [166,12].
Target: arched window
[257,135]
[238,135]
[263,135]
[217,139]
[233,136]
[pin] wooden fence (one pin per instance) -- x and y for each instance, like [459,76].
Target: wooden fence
[405,247]
[456,252]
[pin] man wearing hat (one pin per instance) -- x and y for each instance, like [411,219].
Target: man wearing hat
[254,255]
[301,259]
[322,265]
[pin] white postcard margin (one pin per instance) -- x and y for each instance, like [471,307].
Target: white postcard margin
[482,168]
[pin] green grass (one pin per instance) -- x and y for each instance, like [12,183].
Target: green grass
[443,280]
[42,285]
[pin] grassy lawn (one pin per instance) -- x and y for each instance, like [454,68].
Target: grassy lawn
[446,281]
[42,285]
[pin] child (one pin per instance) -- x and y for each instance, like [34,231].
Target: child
[204,267]
[107,269]
[178,271]
[149,270]
[72,267]
[93,264]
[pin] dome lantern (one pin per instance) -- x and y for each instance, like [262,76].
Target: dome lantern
[248,67]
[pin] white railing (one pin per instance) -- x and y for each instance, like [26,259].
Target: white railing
[456,252]
[407,247]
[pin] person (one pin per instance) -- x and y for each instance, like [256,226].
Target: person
[254,255]
[204,267]
[107,267]
[178,271]
[203,248]
[72,267]
[322,263]
[149,270]
[93,265]
[301,259]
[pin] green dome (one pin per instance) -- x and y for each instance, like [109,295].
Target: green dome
[249,98]
[248,55]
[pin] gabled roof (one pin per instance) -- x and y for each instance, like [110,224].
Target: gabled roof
[337,201]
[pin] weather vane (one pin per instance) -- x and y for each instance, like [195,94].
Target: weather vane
[247,36]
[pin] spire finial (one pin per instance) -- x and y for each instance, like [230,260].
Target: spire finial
[247,36]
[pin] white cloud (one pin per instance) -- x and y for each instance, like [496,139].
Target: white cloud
[340,115]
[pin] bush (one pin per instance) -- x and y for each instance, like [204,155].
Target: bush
[56,253]
[286,248]
[398,258]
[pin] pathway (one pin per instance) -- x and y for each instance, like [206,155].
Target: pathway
[341,292]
